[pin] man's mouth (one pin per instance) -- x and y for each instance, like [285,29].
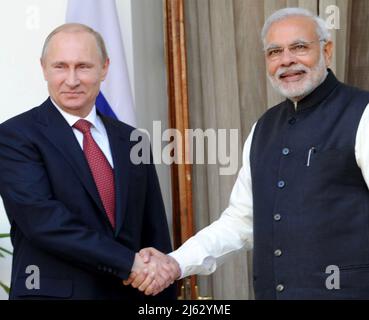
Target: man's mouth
[72,93]
[290,76]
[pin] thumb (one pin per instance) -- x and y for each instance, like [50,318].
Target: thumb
[130,279]
[127,282]
[145,254]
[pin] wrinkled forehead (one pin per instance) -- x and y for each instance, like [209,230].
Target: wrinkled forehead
[290,30]
[73,35]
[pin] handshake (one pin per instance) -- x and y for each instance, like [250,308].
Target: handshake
[153,271]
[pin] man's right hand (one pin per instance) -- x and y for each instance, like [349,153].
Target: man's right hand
[153,271]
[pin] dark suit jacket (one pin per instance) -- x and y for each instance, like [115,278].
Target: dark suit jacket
[57,218]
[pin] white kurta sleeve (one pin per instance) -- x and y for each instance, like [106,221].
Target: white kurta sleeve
[202,253]
[362,145]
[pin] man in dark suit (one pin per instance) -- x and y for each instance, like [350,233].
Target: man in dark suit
[79,209]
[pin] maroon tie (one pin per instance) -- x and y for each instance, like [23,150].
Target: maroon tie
[100,168]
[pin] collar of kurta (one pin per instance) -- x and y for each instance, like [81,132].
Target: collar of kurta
[317,96]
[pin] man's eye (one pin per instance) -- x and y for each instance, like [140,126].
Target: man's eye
[299,47]
[84,66]
[274,52]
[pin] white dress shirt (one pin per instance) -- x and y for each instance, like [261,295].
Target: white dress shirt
[98,130]
[202,253]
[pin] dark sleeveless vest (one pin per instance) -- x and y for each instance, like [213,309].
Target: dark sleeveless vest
[311,203]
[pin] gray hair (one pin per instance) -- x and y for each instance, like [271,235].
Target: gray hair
[74,28]
[321,28]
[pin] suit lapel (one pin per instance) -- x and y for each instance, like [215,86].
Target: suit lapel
[60,134]
[120,149]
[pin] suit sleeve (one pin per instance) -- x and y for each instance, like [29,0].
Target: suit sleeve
[46,222]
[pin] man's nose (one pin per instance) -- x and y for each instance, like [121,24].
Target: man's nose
[72,79]
[287,58]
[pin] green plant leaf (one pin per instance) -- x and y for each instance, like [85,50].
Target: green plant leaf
[6,251]
[5,287]
[2,285]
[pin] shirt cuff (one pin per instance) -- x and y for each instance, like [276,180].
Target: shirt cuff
[193,259]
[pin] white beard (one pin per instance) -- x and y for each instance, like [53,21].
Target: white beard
[298,90]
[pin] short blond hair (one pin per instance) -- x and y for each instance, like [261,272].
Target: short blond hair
[74,28]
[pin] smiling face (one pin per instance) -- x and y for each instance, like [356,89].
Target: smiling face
[74,70]
[298,70]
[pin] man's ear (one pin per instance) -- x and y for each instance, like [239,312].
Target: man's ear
[105,69]
[328,52]
[43,66]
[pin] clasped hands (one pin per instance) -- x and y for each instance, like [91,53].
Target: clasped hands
[152,271]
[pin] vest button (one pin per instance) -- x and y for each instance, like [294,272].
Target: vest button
[281,184]
[277,217]
[278,253]
[285,151]
[292,121]
[280,287]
